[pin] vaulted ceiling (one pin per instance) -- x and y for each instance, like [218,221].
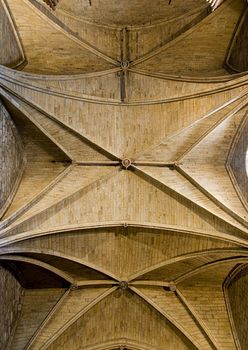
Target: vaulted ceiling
[124,206]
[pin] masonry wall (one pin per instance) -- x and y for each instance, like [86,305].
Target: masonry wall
[11,158]
[10,301]
[238,299]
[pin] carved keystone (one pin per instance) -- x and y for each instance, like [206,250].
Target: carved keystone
[124,64]
[172,287]
[74,287]
[126,163]
[124,285]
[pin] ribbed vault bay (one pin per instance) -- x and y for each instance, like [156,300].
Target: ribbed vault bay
[180,39]
[123,177]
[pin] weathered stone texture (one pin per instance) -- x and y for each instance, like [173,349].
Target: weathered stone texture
[238,301]
[11,156]
[10,301]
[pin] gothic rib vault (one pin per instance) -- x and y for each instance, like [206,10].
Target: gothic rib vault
[124,192]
